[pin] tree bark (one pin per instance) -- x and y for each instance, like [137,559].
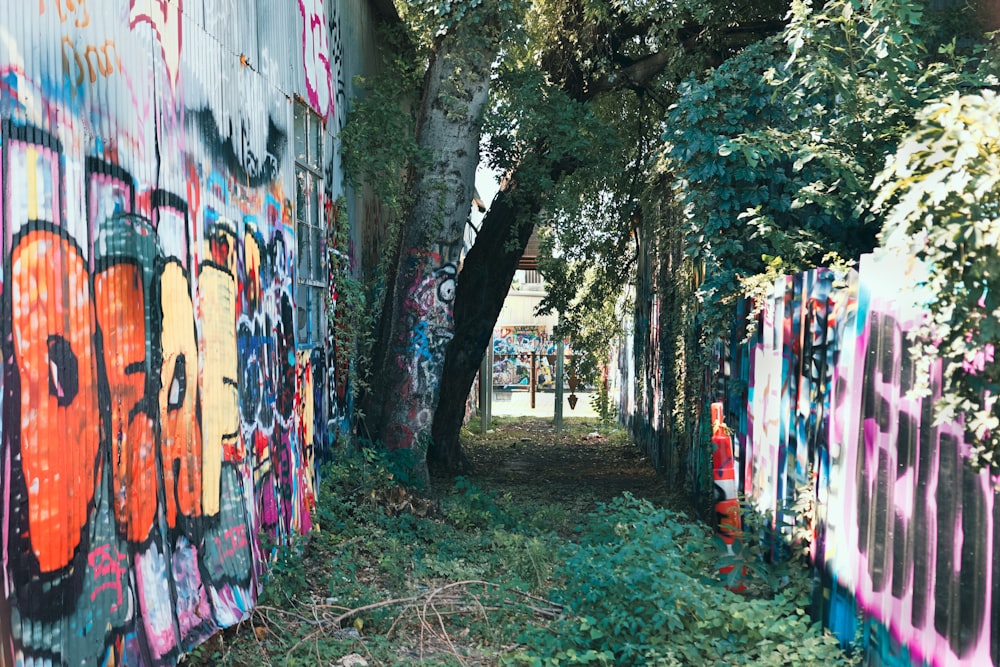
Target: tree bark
[418,318]
[483,284]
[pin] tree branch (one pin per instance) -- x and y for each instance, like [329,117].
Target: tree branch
[640,72]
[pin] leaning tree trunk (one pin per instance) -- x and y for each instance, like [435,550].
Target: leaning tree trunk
[486,276]
[489,267]
[420,318]
[483,284]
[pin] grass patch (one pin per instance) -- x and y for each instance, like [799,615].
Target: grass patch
[529,562]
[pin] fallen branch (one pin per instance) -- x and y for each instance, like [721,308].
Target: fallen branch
[284,612]
[375,605]
[428,614]
[428,602]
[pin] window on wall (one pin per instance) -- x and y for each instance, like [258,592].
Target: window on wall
[310,229]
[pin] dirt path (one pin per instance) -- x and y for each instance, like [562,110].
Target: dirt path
[578,467]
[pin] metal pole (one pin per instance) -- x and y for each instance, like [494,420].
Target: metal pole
[559,385]
[533,377]
[486,389]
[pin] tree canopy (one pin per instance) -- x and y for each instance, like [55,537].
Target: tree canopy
[773,155]
[754,129]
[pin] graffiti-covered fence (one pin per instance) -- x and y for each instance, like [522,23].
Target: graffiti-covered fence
[166,171]
[906,533]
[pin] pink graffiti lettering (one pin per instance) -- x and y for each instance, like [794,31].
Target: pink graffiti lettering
[166,24]
[316,56]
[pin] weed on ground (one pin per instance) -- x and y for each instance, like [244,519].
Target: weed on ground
[560,549]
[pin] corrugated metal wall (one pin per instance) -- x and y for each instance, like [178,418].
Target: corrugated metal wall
[905,532]
[158,413]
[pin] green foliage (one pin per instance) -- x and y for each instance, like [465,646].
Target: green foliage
[430,20]
[606,411]
[380,153]
[349,317]
[378,141]
[578,111]
[766,561]
[716,181]
[629,583]
[540,129]
[471,507]
[942,192]
[774,153]
[637,591]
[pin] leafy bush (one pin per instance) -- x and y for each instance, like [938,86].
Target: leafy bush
[942,191]
[469,506]
[606,410]
[637,591]
[773,154]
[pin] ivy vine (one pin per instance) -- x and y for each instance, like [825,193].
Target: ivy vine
[349,319]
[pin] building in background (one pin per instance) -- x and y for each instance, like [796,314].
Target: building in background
[519,332]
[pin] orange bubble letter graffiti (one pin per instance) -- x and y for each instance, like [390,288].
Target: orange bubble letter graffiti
[52,323]
[180,434]
[220,428]
[121,314]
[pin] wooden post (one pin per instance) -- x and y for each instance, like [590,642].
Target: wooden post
[572,383]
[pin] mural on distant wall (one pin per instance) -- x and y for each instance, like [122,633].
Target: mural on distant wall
[520,339]
[512,348]
[156,415]
[905,532]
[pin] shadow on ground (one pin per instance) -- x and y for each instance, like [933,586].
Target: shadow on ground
[579,467]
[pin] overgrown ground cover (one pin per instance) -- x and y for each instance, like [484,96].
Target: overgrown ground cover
[560,549]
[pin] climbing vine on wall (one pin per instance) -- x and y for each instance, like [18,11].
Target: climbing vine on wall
[774,153]
[349,319]
[379,139]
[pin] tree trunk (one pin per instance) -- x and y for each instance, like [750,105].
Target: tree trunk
[482,288]
[489,267]
[483,284]
[418,319]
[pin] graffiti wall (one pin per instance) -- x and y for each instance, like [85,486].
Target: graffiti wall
[512,350]
[158,412]
[906,534]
